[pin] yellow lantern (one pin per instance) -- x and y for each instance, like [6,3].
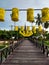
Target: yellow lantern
[30,32]
[30,14]
[34,29]
[2,14]
[27,32]
[15,14]
[40,28]
[28,28]
[45,14]
[16,28]
[22,28]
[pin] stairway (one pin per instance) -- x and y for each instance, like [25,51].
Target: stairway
[26,54]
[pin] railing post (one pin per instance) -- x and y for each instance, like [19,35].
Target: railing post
[6,53]
[46,51]
[1,57]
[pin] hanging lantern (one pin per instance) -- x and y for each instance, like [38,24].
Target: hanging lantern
[30,14]
[22,28]
[40,28]
[26,33]
[15,14]
[2,14]
[16,28]
[45,14]
[31,33]
[28,28]
[23,33]
[34,29]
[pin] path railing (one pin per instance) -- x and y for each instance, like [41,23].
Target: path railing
[7,50]
[40,44]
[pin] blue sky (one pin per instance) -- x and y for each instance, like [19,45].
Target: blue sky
[21,4]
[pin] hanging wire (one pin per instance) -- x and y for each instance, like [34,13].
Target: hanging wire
[20,9]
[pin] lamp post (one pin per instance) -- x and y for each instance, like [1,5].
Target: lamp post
[11,26]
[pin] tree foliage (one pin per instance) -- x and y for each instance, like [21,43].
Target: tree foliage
[5,35]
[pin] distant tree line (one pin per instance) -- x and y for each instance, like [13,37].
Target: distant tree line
[7,35]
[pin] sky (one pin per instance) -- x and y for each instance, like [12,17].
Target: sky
[20,4]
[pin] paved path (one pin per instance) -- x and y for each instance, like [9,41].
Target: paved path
[26,54]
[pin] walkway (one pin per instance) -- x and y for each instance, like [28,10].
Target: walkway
[26,54]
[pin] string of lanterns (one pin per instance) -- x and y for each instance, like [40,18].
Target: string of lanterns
[30,14]
[30,17]
[27,32]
